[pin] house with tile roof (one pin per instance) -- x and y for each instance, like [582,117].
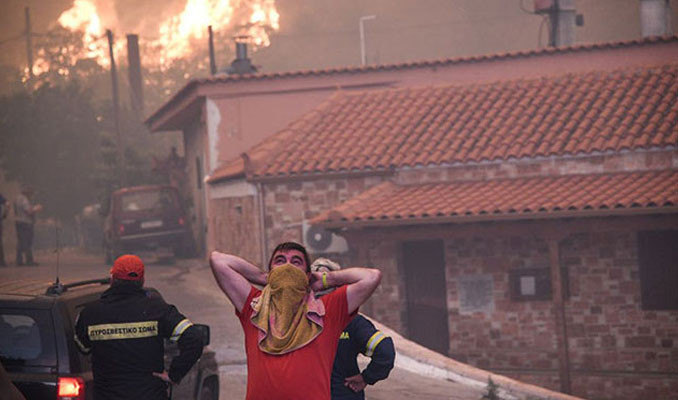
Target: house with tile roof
[225,115]
[525,222]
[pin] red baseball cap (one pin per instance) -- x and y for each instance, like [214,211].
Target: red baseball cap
[128,267]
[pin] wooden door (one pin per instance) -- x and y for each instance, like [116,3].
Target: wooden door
[423,263]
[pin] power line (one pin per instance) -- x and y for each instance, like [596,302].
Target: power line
[9,39]
[397,28]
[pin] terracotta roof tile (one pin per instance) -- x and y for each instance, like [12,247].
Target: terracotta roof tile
[522,198]
[582,113]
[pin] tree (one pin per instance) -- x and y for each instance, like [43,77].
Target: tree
[50,139]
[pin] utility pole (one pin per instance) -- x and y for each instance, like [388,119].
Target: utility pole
[116,112]
[361,26]
[213,61]
[134,75]
[29,44]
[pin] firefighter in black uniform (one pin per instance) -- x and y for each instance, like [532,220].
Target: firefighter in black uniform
[359,336]
[124,330]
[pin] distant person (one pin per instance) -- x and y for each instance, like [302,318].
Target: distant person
[24,218]
[125,331]
[3,214]
[290,336]
[359,336]
[174,160]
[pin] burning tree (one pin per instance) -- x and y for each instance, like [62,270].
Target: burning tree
[173,39]
[66,119]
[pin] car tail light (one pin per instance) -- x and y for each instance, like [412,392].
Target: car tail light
[121,229]
[181,220]
[70,388]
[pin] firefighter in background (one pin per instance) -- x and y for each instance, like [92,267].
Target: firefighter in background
[24,217]
[359,336]
[125,329]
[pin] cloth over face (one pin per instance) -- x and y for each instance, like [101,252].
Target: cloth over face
[286,313]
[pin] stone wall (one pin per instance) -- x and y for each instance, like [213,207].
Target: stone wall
[287,205]
[517,334]
[621,350]
[617,350]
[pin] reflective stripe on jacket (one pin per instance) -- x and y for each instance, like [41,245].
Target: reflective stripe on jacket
[360,336]
[124,331]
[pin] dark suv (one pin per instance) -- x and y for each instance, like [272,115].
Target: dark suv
[38,350]
[148,218]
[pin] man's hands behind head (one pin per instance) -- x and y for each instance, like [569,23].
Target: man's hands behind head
[316,281]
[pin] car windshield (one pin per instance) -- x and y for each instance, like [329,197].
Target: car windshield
[27,338]
[147,200]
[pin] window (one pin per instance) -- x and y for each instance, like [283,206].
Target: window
[658,262]
[530,284]
[198,173]
[148,200]
[27,338]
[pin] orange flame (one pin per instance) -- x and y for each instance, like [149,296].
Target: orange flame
[176,35]
[83,17]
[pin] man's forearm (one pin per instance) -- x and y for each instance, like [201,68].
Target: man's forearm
[381,363]
[361,283]
[190,349]
[246,269]
[235,276]
[347,276]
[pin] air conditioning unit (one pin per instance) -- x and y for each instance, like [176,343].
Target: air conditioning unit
[320,240]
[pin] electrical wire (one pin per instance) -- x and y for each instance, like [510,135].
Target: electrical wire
[395,29]
[9,39]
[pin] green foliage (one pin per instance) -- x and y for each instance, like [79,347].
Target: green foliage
[58,134]
[492,390]
[49,139]
[59,141]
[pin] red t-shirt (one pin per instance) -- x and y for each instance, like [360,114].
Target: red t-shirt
[303,374]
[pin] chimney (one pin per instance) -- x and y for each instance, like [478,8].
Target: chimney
[563,23]
[241,64]
[563,18]
[655,18]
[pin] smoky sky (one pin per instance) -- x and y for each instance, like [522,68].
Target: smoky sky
[324,33]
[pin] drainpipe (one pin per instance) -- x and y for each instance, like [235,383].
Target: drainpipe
[559,312]
[263,243]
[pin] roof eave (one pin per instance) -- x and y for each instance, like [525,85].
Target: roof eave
[462,219]
[165,117]
[315,175]
[224,178]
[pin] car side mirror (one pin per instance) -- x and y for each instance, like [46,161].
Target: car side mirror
[204,331]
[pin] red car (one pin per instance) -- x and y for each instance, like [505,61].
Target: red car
[147,218]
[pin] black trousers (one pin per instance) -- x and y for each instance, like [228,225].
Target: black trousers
[24,244]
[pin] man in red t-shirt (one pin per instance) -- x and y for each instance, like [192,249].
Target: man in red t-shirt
[291,337]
